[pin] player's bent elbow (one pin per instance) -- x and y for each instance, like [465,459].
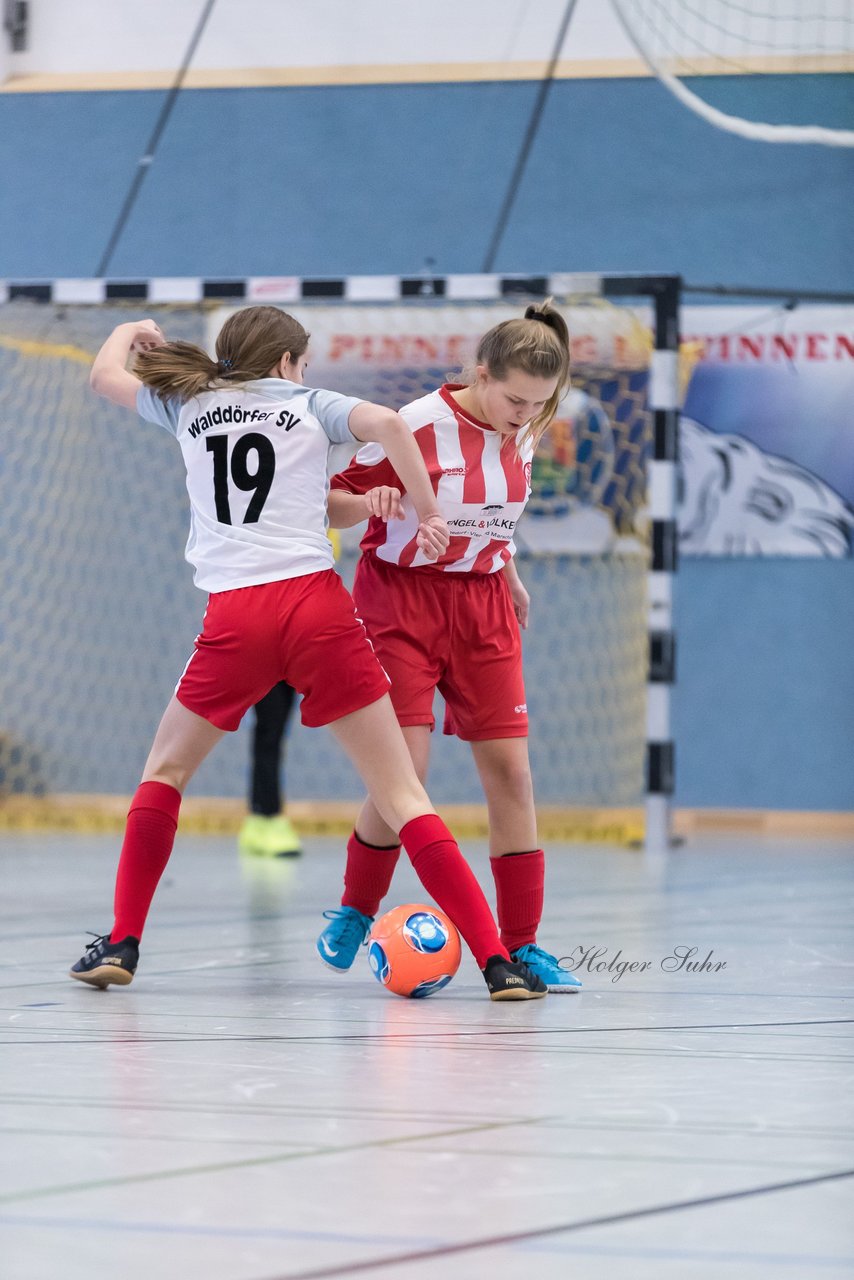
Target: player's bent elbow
[392,430]
[117,386]
[103,382]
[374,423]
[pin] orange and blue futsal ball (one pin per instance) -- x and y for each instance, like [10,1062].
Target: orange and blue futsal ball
[414,950]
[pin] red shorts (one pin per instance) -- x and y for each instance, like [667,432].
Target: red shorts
[303,630]
[455,632]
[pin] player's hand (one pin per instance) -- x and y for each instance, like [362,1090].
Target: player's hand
[432,536]
[385,503]
[147,334]
[521,602]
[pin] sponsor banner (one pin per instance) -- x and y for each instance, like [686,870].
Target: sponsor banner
[767,438]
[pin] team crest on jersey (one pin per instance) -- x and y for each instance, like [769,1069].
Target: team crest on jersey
[528,474]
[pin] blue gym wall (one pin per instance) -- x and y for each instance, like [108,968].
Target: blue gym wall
[328,181]
[351,180]
[764,702]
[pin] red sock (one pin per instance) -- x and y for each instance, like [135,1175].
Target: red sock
[519,886]
[149,836]
[449,879]
[368,874]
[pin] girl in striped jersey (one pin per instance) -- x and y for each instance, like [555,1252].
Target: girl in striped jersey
[453,624]
[255,443]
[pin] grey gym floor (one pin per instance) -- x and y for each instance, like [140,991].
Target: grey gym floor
[242,1113]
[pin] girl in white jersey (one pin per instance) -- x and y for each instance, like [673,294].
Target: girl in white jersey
[255,443]
[453,623]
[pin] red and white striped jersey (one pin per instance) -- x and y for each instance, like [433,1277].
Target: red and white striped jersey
[481,488]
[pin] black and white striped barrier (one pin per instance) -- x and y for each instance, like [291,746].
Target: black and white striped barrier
[192,289]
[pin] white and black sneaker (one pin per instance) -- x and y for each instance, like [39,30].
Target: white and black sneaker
[512,980]
[106,962]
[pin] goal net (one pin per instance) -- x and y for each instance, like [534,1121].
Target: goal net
[681,40]
[99,611]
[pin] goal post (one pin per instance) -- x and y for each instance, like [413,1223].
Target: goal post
[100,612]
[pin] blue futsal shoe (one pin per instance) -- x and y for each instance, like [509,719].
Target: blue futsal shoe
[347,930]
[547,967]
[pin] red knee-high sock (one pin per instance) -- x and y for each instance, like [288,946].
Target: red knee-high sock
[368,874]
[149,836]
[519,887]
[449,879]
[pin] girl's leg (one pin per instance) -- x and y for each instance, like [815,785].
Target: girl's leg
[370,825]
[181,743]
[375,744]
[505,774]
[518,866]
[517,862]
[373,848]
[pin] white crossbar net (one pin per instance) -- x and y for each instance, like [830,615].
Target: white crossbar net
[687,39]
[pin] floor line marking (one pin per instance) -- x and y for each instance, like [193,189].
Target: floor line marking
[101,1037]
[540,1233]
[96,1184]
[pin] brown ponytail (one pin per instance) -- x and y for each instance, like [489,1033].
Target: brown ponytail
[249,345]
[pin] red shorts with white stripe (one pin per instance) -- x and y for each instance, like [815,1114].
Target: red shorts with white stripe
[303,630]
[455,632]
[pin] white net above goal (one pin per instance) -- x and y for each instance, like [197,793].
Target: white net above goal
[692,39]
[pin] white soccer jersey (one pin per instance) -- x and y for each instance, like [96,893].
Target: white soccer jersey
[256,460]
[481,488]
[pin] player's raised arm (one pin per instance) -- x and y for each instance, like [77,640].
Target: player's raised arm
[110,377]
[372,422]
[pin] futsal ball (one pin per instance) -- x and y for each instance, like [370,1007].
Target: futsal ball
[414,950]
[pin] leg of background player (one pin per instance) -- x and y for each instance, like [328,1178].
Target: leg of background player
[267,831]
